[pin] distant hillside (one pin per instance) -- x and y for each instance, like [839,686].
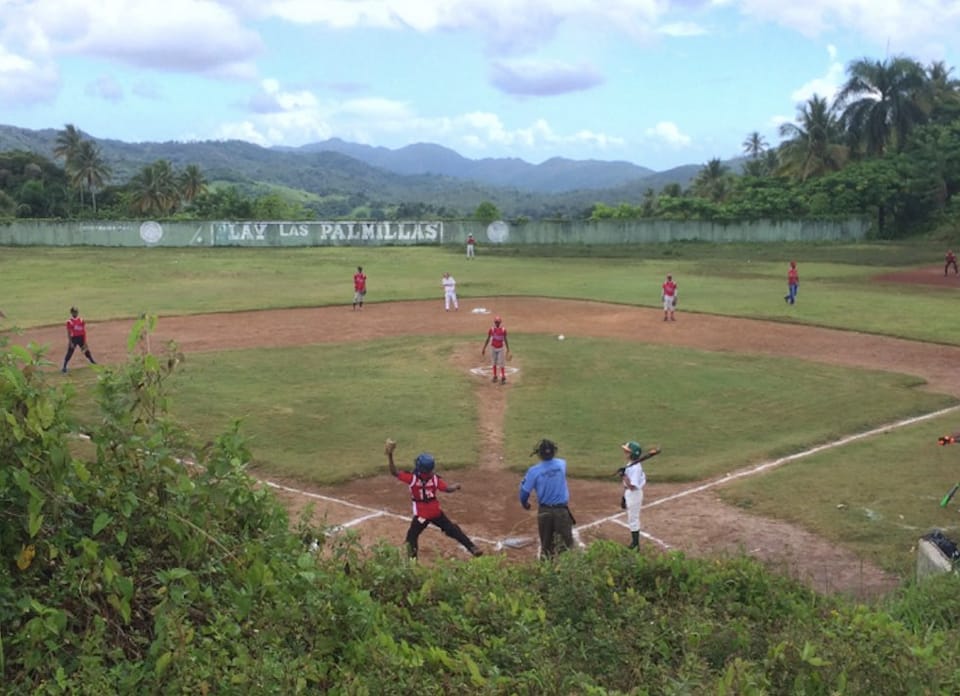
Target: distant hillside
[556,175]
[424,172]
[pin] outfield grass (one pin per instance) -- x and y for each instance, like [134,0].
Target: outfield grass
[317,412]
[313,412]
[738,280]
[876,496]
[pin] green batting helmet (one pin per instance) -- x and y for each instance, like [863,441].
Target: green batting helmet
[633,448]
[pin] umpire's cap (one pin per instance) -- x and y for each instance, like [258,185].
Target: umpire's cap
[545,449]
[633,448]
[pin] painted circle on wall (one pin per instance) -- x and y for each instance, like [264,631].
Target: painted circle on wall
[498,232]
[151,232]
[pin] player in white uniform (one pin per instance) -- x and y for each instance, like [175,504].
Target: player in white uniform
[449,292]
[634,479]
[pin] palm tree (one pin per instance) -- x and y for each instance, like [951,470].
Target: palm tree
[154,191]
[881,102]
[672,190]
[192,183]
[813,145]
[66,147]
[712,181]
[67,143]
[754,145]
[941,93]
[89,169]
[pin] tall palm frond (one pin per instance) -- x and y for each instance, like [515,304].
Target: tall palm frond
[813,145]
[881,102]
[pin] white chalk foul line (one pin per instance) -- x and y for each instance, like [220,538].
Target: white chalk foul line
[773,464]
[373,511]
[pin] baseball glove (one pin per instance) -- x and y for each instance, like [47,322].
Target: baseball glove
[389,446]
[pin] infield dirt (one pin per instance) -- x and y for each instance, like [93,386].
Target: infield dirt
[487,508]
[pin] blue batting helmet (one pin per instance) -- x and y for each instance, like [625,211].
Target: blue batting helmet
[424,463]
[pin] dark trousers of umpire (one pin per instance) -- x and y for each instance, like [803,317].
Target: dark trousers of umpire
[418,524]
[555,525]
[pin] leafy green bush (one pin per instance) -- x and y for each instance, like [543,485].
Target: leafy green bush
[137,563]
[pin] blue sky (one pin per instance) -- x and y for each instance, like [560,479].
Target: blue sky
[659,83]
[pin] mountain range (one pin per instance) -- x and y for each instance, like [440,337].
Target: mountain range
[417,172]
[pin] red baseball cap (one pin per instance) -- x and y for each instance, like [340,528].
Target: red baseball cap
[497,320]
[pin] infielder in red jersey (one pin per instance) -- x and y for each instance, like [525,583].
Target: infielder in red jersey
[793,284]
[359,288]
[76,338]
[424,485]
[950,260]
[668,293]
[497,340]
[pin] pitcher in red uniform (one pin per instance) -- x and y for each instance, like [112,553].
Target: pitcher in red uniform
[497,340]
[668,293]
[76,338]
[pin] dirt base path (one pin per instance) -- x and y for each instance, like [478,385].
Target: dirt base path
[487,509]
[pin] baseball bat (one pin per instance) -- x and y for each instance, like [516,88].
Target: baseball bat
[946,499]
[650,453]
[644,457]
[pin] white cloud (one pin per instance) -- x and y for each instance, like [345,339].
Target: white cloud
[670,134]
[25,80]
[195,36]
[507,25]
[282,117]
[681,29]
[906,27]
[827,85]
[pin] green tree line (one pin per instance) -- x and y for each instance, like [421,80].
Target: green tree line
[886,147]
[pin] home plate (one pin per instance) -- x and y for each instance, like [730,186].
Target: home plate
[485,370]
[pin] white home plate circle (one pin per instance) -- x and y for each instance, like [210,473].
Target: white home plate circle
[485,371]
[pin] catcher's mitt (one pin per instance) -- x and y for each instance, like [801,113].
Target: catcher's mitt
[389,446]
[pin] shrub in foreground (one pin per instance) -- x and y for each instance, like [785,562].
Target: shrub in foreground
[139,563]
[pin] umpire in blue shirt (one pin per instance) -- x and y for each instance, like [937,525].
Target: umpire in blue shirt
[548,479]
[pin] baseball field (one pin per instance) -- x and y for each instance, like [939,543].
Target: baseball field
[804,435]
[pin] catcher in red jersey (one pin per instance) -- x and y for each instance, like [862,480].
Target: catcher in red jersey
[76,338]
[424,485]
[500,348]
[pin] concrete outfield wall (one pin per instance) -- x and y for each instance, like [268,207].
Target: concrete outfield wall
[414,232]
